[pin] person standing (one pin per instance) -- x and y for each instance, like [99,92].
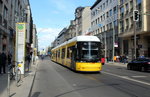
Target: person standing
[3,62]
[9,58]
[28,61]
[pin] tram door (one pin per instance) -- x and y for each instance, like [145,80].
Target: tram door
[73,57]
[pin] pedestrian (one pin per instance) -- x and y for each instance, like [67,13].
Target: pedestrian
[28,61]
[124,59]
[142,56]
[9,58]
[3,62]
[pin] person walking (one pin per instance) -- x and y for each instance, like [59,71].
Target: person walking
[28,61]
[124,59]
[3,62]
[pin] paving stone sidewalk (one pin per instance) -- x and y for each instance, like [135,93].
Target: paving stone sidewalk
[23,90]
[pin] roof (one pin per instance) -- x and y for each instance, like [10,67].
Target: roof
[97,2]
[80,38]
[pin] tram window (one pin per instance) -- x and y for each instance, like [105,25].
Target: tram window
[68,51]
[63,53]
[58,53]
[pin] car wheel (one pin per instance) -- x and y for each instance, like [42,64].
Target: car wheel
[142,68]
[128,67]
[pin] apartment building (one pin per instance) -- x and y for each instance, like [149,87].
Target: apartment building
[141,29]
[12,12]
[104,24]
[71,29]
[82,20]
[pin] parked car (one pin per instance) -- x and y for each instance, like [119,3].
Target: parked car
[141,64]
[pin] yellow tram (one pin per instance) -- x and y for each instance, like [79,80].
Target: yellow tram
[82,53]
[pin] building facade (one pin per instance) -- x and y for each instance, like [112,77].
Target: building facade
[82,20]
[104,24]
[128,29]
[12,12]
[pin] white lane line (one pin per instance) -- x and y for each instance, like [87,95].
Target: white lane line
[138,76]
[127,78]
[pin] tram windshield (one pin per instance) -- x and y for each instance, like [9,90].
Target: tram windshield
[88,51]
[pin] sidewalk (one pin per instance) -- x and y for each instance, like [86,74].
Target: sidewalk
[117,64]
[25,85]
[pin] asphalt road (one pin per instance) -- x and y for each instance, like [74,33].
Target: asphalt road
[54,80]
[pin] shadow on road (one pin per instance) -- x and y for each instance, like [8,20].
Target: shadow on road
[36,94]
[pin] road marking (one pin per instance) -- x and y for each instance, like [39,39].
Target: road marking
[138,76]
[127,78]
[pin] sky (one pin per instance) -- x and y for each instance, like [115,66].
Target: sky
[51,16]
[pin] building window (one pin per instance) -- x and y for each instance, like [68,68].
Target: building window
[5,12]
[139,4]
[110,25]
[107,27]
[121,1]
[115,10]
[127,24]
[110,1]
[104,16]
[131,5]
[103,5]
[115,23]
[107,14]
[1,5]
[139,1]
[106,2]
[121,12]
[104,28]
[110,12]
[101,18]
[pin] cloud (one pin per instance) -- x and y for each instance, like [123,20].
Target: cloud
[46,36]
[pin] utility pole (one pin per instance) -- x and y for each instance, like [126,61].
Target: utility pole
[135,19]
[105,47]
[113,53]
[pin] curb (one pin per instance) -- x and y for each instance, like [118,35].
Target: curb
[29,95]
[117,64]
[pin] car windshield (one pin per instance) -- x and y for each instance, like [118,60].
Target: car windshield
[89,51]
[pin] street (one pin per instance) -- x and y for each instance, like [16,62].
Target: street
[54,80]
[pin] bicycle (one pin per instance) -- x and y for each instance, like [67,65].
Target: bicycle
[15,72]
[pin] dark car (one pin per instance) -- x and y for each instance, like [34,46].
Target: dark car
[141,64]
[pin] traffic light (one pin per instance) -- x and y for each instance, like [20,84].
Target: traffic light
[136,15]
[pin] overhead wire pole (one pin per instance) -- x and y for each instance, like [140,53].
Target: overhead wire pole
[113,52]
